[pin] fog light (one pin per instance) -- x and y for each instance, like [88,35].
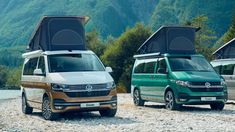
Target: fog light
[59,107]
[114,104]
[183,100]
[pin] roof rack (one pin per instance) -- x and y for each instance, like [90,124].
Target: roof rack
[147,55]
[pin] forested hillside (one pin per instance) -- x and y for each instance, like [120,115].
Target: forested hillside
[112,32]
[110,17]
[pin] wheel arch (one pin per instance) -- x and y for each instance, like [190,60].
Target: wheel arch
[168,88]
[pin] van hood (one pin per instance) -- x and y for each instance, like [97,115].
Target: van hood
[74,78]
[197,76]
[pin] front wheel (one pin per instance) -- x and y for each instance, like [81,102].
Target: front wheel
[217,106]
[170,101]
[108,112]
[137,99]
[46,110]
[25,107]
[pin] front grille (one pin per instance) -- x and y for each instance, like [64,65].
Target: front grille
[206,89]
[203,83]
[87,94]
[83,86]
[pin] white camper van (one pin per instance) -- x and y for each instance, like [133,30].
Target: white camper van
[60,74]
[224,64]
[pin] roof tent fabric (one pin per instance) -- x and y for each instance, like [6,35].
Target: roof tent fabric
[59,33]
[170,39]
[226,51]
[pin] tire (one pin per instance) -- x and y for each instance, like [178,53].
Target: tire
[137,99]
[46,110]
[217,106]
[25,107]
[108,112]
[170,101]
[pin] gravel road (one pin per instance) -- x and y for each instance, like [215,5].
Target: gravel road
[152,117]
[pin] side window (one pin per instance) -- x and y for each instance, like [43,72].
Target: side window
[139,68]
[149,67]
[30,66]
[218,69]
[161,66]
[41,64]
[227,69]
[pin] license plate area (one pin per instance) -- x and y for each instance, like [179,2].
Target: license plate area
[208,98]
[89,105]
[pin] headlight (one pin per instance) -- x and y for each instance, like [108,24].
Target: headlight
[222,82]
[111,85]
[183,83]
[59,87]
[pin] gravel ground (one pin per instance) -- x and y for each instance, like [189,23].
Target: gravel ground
[152,117]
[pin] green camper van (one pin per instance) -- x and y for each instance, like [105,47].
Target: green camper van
[169,71]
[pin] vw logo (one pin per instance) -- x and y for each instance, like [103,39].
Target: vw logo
[208,85]
[89,88]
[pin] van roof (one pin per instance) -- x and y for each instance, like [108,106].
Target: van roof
[154,55]
[40,53]
[170,39]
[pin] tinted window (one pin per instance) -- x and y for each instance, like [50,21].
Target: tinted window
[41,64]
[227,69]
[194,63]
[30,66]
[161,66]
[139,68]
[149,67]
[74,63]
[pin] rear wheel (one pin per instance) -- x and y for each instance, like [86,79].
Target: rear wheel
[137,99]
[108,112]
[46,110]
[25,107]
[217,106]
[170,101]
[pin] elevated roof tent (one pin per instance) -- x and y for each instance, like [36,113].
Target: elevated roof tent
[170,39]
[59,33]
[226,51]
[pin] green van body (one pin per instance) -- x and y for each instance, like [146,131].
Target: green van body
[189,87]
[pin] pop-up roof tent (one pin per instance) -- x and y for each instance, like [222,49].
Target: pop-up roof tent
[170,39]
[59,33]
[226,51]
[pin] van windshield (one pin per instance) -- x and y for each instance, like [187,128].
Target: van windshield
[193,63]
[74,63]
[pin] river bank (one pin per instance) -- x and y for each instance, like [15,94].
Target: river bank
[8,94]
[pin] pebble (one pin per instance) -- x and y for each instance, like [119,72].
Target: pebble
[152,117]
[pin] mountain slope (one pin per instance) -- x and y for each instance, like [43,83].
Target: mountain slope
[110,17]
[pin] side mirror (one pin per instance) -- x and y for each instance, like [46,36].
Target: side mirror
[162,70]
[38,72]
[108,69]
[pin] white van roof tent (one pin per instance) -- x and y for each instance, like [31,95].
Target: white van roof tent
[59,33]
[170,39]
[226,51]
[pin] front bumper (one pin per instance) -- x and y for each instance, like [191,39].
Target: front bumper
[60,106]
[184,98]
[63,103]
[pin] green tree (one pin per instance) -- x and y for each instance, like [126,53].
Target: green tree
[3,75]
[94,43]
[230,34]
[13,78]
[204,37]
[119,55]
